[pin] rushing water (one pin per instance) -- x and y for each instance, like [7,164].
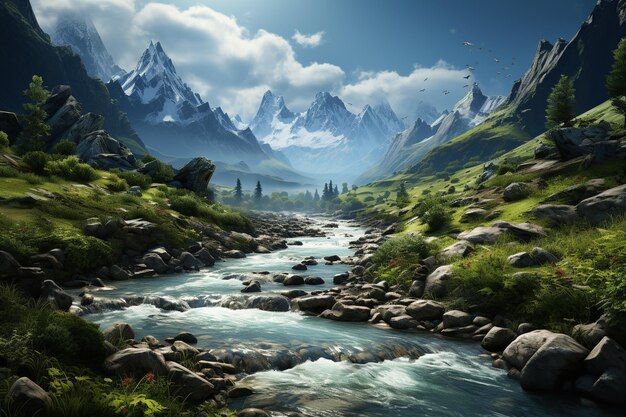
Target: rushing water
[452,379]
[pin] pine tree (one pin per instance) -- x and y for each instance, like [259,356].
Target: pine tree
[344,188]
[616,80]
[561,103]
[258,193]
[316,196]
[308,197]
[330,189]
[35,127]
[238,192]
[336,192]
[403,196]
[325,192]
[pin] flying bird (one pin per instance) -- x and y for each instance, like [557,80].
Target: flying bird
[422,90]
[470,68]
[467,43]
[467,76]
[426,79]
[496,59]
[466,85]
[350,104]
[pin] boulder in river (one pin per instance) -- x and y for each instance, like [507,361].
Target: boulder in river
[425,310]
[343,312]
[188,384]
[498,338]
[55,296]
[119,332]
[136,361]
[269,302]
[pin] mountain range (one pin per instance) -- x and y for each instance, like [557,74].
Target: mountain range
[326,138]
[410,146]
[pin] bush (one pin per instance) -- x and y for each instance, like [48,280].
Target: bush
[164,173]
[36,161]
[187,205]
[433,211]
[134,179]
[147,158]
[117,184]
[7,172]
[72,169]
[506,167]
[65,147]
[4,140]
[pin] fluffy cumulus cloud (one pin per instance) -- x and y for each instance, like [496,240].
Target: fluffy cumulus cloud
[309,41]
[404,91]
[232,67]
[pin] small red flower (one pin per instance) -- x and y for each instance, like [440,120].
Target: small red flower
[560,272]
[468,264]
[126,381]
[149,377]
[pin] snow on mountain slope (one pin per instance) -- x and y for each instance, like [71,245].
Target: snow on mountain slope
[327,138]
[79,33]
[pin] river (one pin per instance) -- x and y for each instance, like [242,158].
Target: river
[451,378]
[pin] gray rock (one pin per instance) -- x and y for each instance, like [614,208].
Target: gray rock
[425,310]
[489,170]
[462,248]
[99,148]
[234,254]
[343,312]
[119,332]
[591,334]
[269,302]
[525,346]
[521,260]
[195,176]
[314,302]
[184,350]
[187,384]
[516,191]
[389,311]
[29,398]
[498,338]
[205,257]
[56,100]
[341,278]
[556,214]
[163,254]
[474,214]
[332,258]
[525,328]
[436,282]
[403,322]
[293,280]
[64,117]
[8,264]
[603,206]
[252,412]
[299,267]
[543,151]
[55,296]
[254,286]
[462,331]
[189,262]
[185,337]
[456,318]
[86,124]
[417,288]
[118,274]
[542,256]
[606,354]
[482,234]
[610,387]
[136,362]
[154,261]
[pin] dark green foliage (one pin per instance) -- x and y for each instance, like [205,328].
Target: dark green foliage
[163,174]
[561,103]
[65,147]
[134,178]
[238,192]
[506,167]
[7,172]
[258,193]
[36,161]
[34,121]
[117,184]
[616,80]
[4,140]
[72,169]
[402,198]
[148,158]
[403,251]
[433,211]
[186,204]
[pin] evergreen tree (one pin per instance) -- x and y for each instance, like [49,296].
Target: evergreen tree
[35,127]
[561,103]
[308,197]
[258,193]
[325,192]
[336,192]
[344,188]
[403,196]
[316,196]
[616,80]
[330,189]
[238,192]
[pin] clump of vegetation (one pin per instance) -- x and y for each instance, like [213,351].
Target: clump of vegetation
[433,210]
[4,140]
[36,161]
[561,103]
[616,81]
[190,204]
[72,169]
[65,147]
[164,173]
[134,179]
[34,121]
[117,184]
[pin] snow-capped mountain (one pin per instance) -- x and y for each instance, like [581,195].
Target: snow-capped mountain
[413,144]
[427,112]
[79,33]
[327,138]
[173,120]
[153,80]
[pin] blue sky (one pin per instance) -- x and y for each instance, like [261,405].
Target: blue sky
[231,51]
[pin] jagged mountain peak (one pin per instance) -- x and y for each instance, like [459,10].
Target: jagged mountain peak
[79,33]
[471,103]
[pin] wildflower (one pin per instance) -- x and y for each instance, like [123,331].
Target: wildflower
[126,381]
[149,377]
[560,271]
[468,265]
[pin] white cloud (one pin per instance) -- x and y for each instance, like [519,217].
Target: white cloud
[403,91]
[308,41]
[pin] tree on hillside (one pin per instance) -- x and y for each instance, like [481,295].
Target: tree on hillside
[316,196]
[258,193]
[35,127]
[616,80]
[325,192]
[402,198]
[561,103]
[238,192]
[336,192]
[344,188]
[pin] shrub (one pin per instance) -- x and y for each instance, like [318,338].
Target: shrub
[506,167]
[433,211]
[117,184]
[4,140]
[72,169]
[31,178]
[147,158]
[403,251]
[186,205]
[7,172]
[164,173]
[65,147]
[36,161]
[134,179]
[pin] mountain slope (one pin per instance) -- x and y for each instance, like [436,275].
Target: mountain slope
[586,59]
[413,144]
[29,50]
[79,33]
[327,138]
